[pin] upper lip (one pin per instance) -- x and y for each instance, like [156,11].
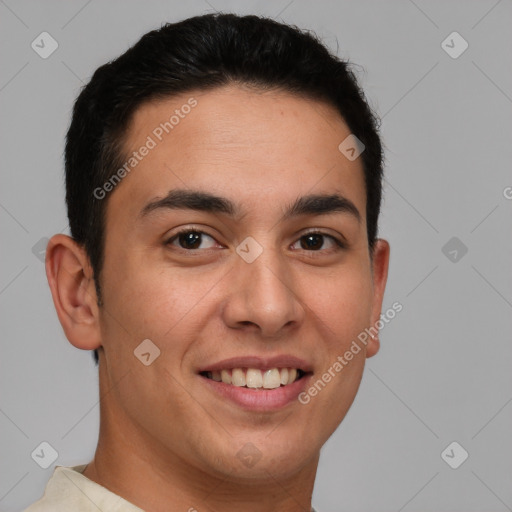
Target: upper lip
[258,362]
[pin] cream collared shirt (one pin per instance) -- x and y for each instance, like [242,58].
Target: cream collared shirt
[69,490]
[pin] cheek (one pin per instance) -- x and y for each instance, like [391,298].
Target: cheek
[342,305]
[152,301]
[342,311]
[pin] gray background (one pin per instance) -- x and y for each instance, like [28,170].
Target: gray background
[443,372]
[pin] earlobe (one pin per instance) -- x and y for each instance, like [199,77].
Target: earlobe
[380,265]
[72,286]
[373,346]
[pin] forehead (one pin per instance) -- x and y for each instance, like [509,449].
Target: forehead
[238,143]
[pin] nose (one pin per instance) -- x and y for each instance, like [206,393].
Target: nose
[264,296]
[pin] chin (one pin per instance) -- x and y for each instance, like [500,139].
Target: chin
[264,456]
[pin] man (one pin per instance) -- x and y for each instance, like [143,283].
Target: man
[223,189]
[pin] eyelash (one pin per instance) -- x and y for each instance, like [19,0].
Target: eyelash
[339,244]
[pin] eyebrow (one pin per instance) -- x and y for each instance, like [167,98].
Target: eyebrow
[312,204]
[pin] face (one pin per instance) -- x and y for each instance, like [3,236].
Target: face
[218,253]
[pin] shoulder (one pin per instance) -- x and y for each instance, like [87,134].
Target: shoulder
[68,489]
[57,491]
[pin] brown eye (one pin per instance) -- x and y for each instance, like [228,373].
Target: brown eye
[190,240]
[313,241]
[317,241]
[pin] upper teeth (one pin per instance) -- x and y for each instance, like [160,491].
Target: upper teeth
[255,378]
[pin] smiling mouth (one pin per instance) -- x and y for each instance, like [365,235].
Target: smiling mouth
[254,378]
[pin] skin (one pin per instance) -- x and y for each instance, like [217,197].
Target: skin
[166,441]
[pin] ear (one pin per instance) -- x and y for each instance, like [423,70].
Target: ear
[380,266]
[70,277]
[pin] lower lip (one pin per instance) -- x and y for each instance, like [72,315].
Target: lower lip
[259,400]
